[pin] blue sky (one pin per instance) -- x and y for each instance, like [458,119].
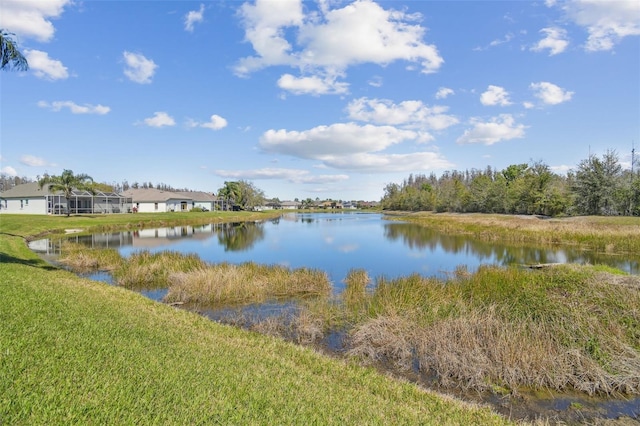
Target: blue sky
[329,99]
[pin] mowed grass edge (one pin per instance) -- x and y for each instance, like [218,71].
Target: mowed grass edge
[77,351]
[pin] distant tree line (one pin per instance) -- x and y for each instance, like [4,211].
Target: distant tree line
[598,186]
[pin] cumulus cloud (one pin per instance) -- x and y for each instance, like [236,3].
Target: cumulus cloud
[193,17]
[31,19]
[495,95]
[555,40]
[326,42]
[215,123]
[607,22]
[75,108]
[45,67]
[138,68]
[412,114]
[326,142]
[387,163]
[291,175]
[500,128]
[549,93]
[159,119]
[313,85]
[8,170]
[444,92]
[350,146]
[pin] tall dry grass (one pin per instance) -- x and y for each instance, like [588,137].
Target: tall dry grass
[601,234]
[564,328]
[82,259]
[146,270]
[248,282]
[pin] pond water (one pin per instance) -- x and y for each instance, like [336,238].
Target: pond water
[337,243]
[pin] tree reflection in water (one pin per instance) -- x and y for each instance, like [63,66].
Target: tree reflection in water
[240,236]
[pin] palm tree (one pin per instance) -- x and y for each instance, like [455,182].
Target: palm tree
[10,57]
[66,183]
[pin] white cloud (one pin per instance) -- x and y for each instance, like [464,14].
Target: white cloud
[413,114]
[497,42]
[495,95]
[325,43]
[75,108]
[325,142]
[528,105]
[606,21]
[193,17]
[549,93]
[45,67]
[138,68]
[387,163]
[375,81]
[8,170]
[313,85]
[350,146]
[32,161]
[160,119]
[215,123]
[555,40]
[444,92]
[500,128]
[31,18]
[291,175]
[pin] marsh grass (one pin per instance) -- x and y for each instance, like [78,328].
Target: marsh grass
[146,270]
[227,283]
[561,328]
[600,234]
[74,351]
[82,259]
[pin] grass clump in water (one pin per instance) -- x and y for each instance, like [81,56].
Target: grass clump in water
[560,328]
[146,270]
[248,282]
[82,259]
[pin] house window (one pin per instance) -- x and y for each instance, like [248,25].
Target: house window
[26,202]
[155,206]
[21,204]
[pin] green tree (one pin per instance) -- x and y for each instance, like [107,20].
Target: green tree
[67,182]
[10,56]
[242,193]
[597,184]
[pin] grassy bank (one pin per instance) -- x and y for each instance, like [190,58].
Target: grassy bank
[77,351]
[37,225]
[603,234]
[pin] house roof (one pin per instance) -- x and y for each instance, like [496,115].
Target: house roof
[199,196]
[26,190]
[152,195]
[33,190]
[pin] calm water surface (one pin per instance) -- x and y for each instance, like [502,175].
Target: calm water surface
[339,242]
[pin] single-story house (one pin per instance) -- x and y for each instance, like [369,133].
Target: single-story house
[29,198]
[290,205]
[151,200]
[204,200]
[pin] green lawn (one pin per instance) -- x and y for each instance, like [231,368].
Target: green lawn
[77,351]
